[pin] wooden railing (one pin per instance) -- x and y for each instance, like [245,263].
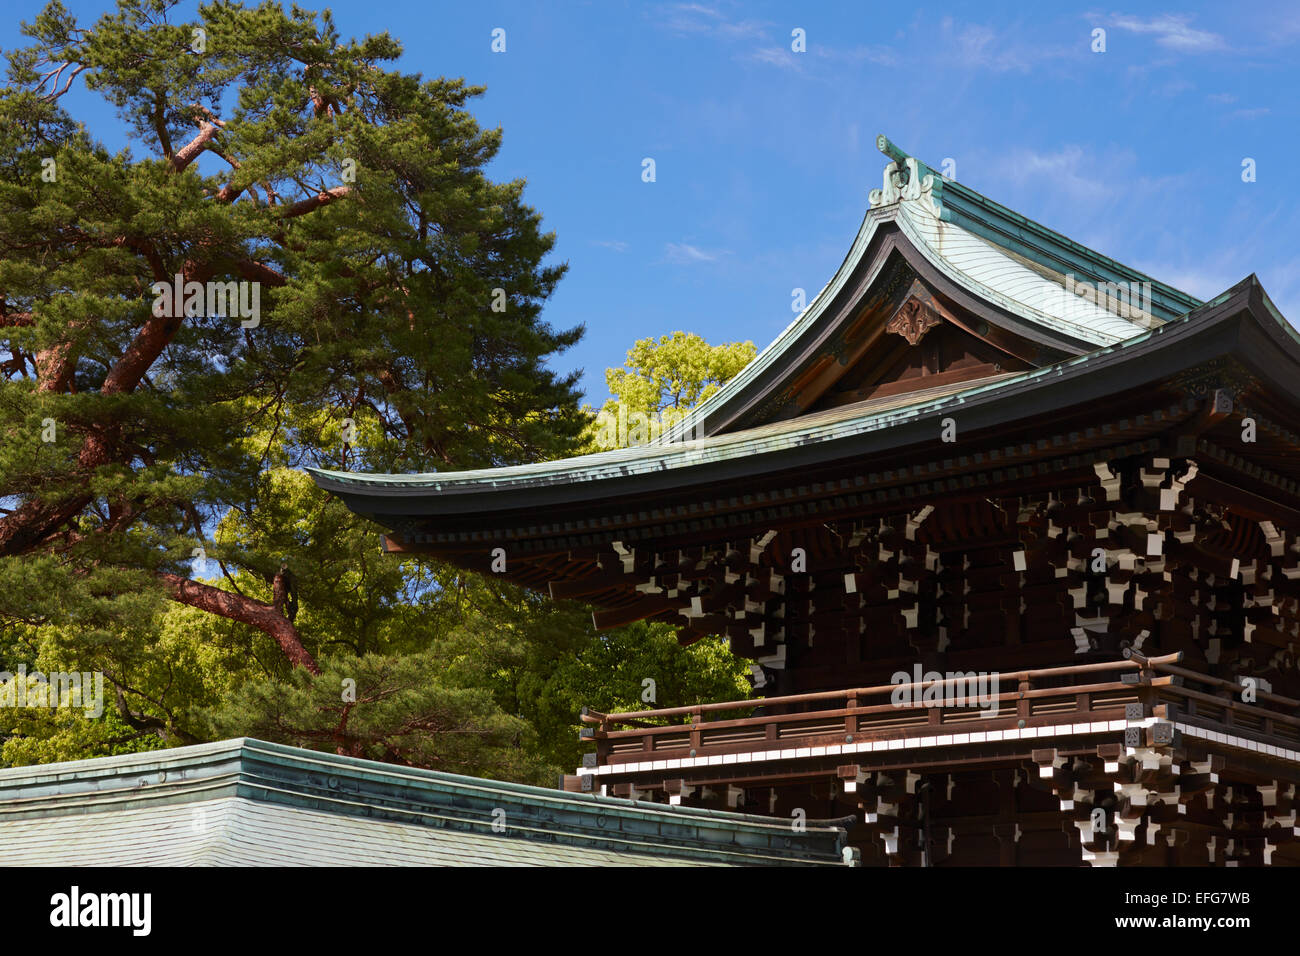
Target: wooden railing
[1218,704]
[1082,692]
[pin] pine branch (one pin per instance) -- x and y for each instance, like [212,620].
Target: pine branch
[245,610]
[311,203]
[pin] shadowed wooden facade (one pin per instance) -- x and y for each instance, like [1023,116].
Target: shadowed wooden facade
[982,449]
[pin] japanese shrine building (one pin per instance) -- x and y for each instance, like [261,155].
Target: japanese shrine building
[1006,528]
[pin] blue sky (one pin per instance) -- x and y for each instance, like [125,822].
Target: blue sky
[764,156]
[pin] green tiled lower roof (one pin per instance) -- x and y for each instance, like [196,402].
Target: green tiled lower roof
[248,802]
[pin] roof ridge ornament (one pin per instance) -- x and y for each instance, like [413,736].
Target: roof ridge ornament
[904,178]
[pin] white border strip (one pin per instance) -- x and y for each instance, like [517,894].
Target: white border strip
[866,746]
[1241,743]
[944,740]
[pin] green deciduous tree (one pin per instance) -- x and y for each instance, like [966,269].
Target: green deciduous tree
[659,383]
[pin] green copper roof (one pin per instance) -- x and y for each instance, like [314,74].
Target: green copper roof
[851,429]
[248,802]
[649,458]
[681,458]
[1007,228]
[1028,275]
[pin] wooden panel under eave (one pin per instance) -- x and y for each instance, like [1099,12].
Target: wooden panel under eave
[896,267]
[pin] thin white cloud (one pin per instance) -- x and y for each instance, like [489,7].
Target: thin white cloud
[1175,86]
[977,46]
[974,46]
[683,253]
[879,55]
[775,56]
[1065,168]
[1199,282]
[743,29]
[1221,98]
[698,18]
[1251,113]
[821,54]
[616,244]
[1173,32]
[698,8]
[689,18]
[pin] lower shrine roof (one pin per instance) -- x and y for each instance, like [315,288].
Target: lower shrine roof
[247,802]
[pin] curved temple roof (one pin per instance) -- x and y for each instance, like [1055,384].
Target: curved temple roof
[864,425]
[1027,278]
[989,250]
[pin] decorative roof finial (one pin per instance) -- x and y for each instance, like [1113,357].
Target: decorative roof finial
[889,149]
[902,169]
[905,178]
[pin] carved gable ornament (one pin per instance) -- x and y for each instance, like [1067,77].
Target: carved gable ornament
[913,319]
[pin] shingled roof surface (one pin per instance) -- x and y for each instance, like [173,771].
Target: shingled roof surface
[247,802]
[1203,334]
[990,251]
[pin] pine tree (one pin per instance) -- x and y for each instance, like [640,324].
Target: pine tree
[344,266]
